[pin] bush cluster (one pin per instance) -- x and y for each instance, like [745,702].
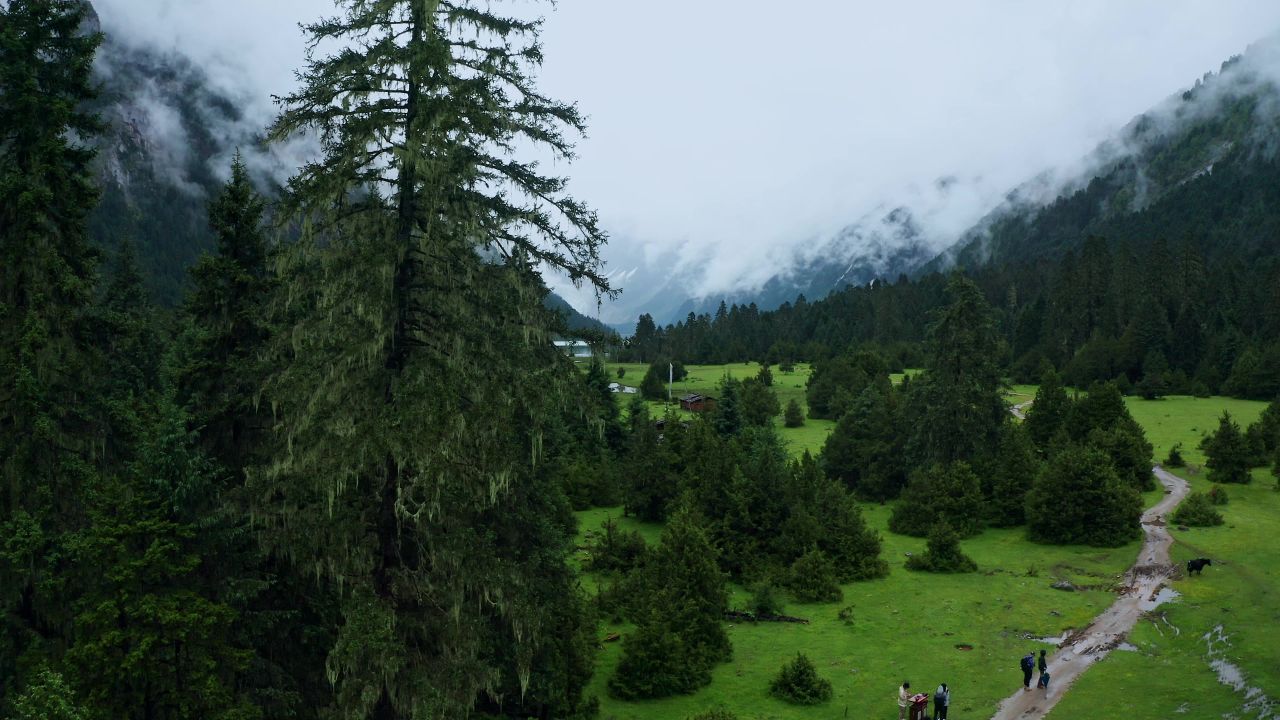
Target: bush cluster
[798,682]
[943,553]
[813,578]
[1197,511]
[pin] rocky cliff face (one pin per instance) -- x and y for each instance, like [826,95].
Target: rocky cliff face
[167,143]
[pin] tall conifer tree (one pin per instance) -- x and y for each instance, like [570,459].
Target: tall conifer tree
[46,283]
[416,367]
[960,394]
[220,379]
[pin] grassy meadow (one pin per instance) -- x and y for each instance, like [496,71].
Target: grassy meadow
[704,379]
[1169,673]
[911,625]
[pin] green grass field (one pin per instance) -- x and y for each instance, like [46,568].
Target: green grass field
[1169,675]
[905,626]
[705,378]
[908,625]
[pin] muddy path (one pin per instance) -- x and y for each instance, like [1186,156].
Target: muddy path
[1139,593]
[1020,410]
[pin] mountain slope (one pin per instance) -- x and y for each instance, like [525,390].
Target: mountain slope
[168,138]
[166,147]
[1202,167]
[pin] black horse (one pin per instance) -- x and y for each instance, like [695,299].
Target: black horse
[1195,566]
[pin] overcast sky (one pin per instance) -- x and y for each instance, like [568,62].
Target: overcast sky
[726,133]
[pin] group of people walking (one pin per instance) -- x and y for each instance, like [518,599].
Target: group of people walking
[909,704]
[1029,664]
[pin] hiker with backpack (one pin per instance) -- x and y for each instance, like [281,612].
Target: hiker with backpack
[1028,665]
[941,701]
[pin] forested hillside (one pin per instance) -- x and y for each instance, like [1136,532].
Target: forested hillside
[1160,272]
[1199,168]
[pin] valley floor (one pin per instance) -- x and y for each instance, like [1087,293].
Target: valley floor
[970,630]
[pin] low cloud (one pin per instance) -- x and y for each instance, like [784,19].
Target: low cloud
[724,143]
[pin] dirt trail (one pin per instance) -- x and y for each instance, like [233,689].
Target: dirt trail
[1139,594]
[1020,410]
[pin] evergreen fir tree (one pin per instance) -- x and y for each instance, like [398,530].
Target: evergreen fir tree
[1101,408]
[1155,370]
[415,371]
[607,410]
[962,408]
[1078,499]
[221,373]
[679,633]
[865,451]
[1227,455]
[46,287]
[152,637]
[798,682]
[812,578]
[765,376]
[727,416]
[1016,464]
[942,553]
[650,483]
[1130,453]
[218,370]
[1267,428]
[940,491]
[759,403]
[1048,415]
[838,528]
[48,697]
[793,416]
[654,384]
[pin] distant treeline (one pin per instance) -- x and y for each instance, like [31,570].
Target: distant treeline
[1154,318]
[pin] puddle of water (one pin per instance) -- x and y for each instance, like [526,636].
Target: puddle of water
[1055,641]
[1127,647]
[1230,674]
[1166,594]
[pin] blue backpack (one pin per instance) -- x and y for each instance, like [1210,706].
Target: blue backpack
[1028,663]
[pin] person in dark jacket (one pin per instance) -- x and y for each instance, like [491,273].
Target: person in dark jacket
[1028,665]
[1043,682]
[941,701]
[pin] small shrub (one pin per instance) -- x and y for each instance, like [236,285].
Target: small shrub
[1197,511]
[765,600]
[622,372]
[1218,495]
[845,615]
[787,366]
[813,578]
[1175,457]
[793,416]
[943,553]
[615,550]
[798,683]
